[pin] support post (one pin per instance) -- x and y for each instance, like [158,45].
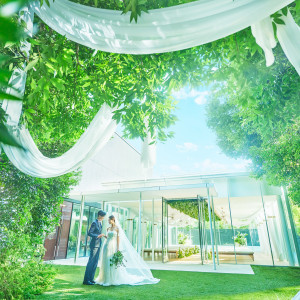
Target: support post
[204,231]
[140,226]
[211,228]
[153,230]
[216,240]
[232,230]
[200,229]
[268,232]
[79,230]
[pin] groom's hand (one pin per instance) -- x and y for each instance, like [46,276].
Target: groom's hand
[101,235]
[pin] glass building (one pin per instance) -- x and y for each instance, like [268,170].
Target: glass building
[212,219]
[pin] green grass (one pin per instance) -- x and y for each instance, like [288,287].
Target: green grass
[267,283]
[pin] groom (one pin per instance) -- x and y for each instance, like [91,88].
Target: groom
[95,245]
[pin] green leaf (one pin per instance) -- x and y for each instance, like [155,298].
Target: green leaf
[8,97]
[58,83]
[86,84]
[7,138]
[285,11]
[279,21]
[30,110]
[31,65]
[274,28]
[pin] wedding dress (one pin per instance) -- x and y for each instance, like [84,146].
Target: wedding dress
[135,272]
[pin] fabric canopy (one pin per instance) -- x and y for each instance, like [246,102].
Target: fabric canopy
[160,30]
[32,162]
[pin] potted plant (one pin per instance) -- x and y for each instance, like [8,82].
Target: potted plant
[240,239]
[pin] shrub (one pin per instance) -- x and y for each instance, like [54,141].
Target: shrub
[182,238]
[240,238]
[186,252]
[22,271]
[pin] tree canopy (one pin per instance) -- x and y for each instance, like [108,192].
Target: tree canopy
[254,110]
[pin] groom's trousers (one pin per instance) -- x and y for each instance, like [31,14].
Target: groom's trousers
[92,264]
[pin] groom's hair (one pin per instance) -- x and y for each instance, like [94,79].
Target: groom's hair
[101,213]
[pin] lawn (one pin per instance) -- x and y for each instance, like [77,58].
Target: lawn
[267,283]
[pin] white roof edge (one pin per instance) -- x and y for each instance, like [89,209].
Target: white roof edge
[184,177]
[157,182]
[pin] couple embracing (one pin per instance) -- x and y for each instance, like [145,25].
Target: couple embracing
[119,262]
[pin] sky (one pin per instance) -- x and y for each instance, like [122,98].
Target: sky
[193,149]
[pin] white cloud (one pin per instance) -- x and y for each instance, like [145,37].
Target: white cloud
[186,147]
[201,99]
[199,96]
[181,94]
[175,168]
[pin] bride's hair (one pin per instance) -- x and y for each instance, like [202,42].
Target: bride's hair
[112,217]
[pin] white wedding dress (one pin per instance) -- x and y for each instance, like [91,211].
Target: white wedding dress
[135,272]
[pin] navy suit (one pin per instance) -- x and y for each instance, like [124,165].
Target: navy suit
[95,245]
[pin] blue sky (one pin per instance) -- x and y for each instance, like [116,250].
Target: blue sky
[193,150]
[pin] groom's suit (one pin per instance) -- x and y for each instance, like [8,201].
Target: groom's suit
[95,245]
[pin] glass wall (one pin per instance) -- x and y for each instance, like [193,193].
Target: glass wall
[249,225]
[89,215]
[252,227]
[249,221]
[74,227]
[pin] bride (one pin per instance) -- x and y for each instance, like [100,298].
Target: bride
[135,272]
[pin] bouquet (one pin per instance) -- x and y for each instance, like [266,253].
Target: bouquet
[117,259]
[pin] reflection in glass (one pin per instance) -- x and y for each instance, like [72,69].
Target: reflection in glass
[73,231]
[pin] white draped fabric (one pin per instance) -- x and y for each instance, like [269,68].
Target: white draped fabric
[160,30]
[32,162]
[264,36]
[288,37]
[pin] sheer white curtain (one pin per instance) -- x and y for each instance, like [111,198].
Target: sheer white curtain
[288,36]
[160,30]
[32,162]
[289,39]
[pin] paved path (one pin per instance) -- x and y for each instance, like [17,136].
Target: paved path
[173,266]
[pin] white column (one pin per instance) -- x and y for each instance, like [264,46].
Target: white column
[211,229]
[153,240]
[79,230]
[140,226]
